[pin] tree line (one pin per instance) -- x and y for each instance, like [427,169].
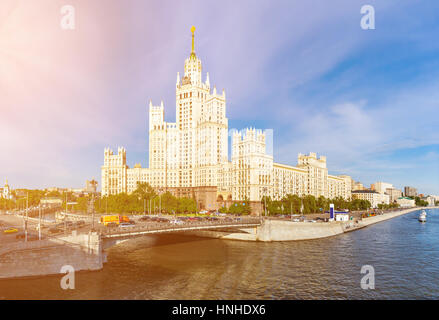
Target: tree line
[143,200]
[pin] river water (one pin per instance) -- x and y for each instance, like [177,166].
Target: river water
[403,252]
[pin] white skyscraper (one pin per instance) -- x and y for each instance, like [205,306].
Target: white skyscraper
[190,157]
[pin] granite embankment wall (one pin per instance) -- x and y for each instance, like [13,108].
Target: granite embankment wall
[277,230]
[45,257]
[371,220]
[281,230]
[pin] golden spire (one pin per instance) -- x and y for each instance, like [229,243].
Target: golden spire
[193,40]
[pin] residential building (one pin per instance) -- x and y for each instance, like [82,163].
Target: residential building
[375,198]
[394,194]
[381,187]
[190,157]
[410,192]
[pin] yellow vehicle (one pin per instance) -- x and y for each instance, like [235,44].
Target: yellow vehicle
[10,230]
[114,219]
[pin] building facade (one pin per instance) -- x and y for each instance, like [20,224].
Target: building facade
[405,202]
[410,192]
[394,194]
[375,198]
[5,192]
[381,187]
[190,158]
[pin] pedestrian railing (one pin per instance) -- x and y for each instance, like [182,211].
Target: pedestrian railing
[166,226]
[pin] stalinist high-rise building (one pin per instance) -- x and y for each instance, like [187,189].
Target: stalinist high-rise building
[190,158]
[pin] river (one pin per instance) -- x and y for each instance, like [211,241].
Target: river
[403,252]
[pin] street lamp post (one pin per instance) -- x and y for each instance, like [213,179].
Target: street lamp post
[27,216]
[92,211]
[39,222]
[265,201]
[160,201]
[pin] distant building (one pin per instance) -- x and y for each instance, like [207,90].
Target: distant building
[381,187]
[375,198]
[357,186]
[430,200]
[410,192]
[405,202]
[5,192]
[394,194]
[91,186]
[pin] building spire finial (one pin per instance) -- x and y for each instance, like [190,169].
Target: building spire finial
[193,40]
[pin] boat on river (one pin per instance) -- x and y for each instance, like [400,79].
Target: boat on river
[422,216]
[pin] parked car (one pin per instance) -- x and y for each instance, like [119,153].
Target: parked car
[126,225]
[30,236]
[55,230]
[112,225]
[80,223]
[176,221]
[10,230]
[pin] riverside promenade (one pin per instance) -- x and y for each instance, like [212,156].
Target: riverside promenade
[379,218]
[284,230]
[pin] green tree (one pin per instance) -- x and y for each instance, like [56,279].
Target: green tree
[186,205]
[240,207]
[309,204]
[144,191]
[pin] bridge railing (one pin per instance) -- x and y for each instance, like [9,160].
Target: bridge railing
[148,226]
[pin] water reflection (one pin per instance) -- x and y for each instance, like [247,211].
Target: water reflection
[403,252]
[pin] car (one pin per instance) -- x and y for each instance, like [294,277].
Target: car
[55,230]
[126,225]
[112,225]
[176,221]
[296,220]
[10,230]
[80,223]
[144,218]
[30,236]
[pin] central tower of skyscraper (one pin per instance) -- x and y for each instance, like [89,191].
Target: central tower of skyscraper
[201,119]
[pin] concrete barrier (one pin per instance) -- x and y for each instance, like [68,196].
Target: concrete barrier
[45,257]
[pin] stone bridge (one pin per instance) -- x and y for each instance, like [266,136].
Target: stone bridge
[86,251]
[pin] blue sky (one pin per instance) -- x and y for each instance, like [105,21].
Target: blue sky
[367,99]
